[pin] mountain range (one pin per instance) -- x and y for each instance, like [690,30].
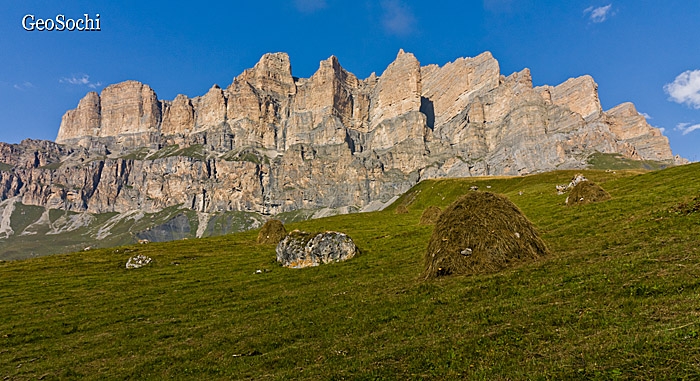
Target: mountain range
[271,144]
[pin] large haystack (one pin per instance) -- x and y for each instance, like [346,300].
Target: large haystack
[586,192]
[430,215]
[478,233]
[272,232]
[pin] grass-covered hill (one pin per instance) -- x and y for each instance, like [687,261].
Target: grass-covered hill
[618,298]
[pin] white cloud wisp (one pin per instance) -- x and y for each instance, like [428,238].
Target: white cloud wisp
[685,89]
[686,128]
[24,86]
[599,14]
[80,80]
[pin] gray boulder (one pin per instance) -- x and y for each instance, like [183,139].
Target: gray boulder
[301,249]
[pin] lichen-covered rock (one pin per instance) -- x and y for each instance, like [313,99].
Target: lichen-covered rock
[578,178]
[301,249]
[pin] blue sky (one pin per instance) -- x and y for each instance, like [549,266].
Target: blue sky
[643,51]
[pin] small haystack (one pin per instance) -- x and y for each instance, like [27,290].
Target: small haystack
[406,200]
[478,233]
[401,209]
[586,192]
[272,232]
[430,215]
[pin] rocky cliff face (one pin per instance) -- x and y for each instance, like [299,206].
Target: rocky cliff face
[272,143]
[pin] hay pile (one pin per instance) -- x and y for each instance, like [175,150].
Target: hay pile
[406,200]
[586,192]
[272,232]
[430,215]
[478,233]
[401,209]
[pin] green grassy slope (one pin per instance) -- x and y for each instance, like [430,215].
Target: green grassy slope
[618,299]
[617,161]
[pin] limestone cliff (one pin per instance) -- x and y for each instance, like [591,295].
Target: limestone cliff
[272,143]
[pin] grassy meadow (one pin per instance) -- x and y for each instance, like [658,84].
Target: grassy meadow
[619,298]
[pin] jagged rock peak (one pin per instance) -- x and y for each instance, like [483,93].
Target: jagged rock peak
[178,116]
[626,109]
[211,108]
[628,124]
[129,107]
[398,89]
[273,73]
[579,94]
[82,121]
[402,56]
[332,67]
[465,103]
[449,89]
[124,108]
[331,61]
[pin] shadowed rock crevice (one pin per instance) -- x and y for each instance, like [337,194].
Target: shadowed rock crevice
[426,107]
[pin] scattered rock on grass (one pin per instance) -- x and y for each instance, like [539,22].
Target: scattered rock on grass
[579,178]
[138,262]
